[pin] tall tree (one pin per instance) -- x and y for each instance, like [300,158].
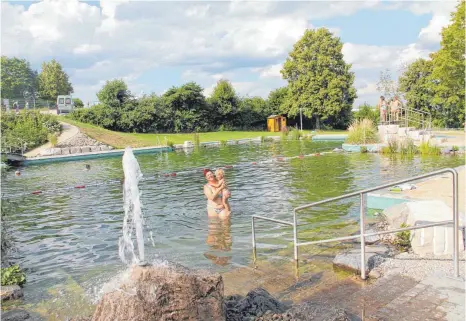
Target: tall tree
[449,69]
[319,80]
[17,78]
[276,100]
[108,95]
[224,98]
[53,81]
[78,103]
[189,108]
[388,87]
[416,85]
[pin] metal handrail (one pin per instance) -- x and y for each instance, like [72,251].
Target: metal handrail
[362,234]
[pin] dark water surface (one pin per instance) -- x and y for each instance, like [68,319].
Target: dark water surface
[73,234]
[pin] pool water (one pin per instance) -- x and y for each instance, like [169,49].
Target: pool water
[72,234]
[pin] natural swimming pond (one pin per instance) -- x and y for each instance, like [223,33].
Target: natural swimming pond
[73,233]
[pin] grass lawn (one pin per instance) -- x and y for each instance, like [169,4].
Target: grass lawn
[121,140]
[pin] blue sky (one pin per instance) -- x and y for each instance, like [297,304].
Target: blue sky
[156,45]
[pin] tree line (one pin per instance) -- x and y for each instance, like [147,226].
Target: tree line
[18,79]
[320,86]
[437,85]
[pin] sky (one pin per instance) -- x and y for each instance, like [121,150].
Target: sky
[154,45]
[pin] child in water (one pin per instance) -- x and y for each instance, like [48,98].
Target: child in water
[220,175]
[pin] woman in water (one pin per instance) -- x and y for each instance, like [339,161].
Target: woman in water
[214,196]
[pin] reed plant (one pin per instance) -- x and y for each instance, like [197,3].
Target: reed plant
[53,139]
[425,148]
[294,134]
[362,132]
[408,148]
[196,139]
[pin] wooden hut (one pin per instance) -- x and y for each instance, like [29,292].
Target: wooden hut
[275,123]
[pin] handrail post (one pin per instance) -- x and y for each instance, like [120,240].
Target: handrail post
[363,241]
[253,240]
[455,225]
[295,237]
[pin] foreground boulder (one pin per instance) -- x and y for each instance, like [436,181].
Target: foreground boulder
[256,303]
[163,292]
[351,260]
[11,292]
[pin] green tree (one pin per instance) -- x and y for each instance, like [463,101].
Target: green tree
[53,81]
[416,85]
[17,77]
[276,100]
[448,73]
[188,107]
[367,111]
[224,99]
[108,95]
[253,113]
[319,81]
[78,103]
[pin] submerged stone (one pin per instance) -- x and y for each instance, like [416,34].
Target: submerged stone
[11,292]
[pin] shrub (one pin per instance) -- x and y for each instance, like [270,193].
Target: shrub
[284,132]
[403,239]
[363,149]
[223,143]
[425,148]
[170,143]
[26,130]
[13,275]
[391,148]
[362,132]
[455,148]
[53,139]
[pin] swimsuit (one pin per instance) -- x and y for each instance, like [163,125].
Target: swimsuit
[216,209]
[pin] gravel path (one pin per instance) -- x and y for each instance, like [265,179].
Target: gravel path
[419,268]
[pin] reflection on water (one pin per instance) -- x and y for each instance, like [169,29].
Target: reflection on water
[219,240]
[74,233]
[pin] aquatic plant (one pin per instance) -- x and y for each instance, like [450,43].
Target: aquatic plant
[425,148]
[170,143]
[223,143]
[363,149]
[13,275]
[408,148]
[391,148]
[362,132]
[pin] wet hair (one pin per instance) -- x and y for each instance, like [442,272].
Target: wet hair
[382,97]
[205,171]
[219,171]
[17,173]
[88,166]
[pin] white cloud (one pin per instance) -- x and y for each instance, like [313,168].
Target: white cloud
[272,71]
[124,39]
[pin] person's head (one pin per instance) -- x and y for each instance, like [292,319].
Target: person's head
[382,98]
[219,173]
[209,175]
[395,98]
[88,167]
[17,173]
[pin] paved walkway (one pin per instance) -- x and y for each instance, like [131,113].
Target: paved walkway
[68,131]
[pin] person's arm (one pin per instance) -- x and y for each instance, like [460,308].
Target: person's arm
[217,185]
[211,195]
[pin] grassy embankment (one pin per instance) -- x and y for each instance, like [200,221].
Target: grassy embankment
[121,140]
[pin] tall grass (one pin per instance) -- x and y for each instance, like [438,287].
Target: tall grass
[294,134]
[284,133]
[196,139]
[407,148]
[362,132]
[391,148]
[427,149]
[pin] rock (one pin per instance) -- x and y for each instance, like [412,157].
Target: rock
[65,151]
[351,260]
[46,152]
[374,274]
[162,292]
[85,149]
[11,292]
[369,239]
[316,311]
[104,148]
[56,151]
[338,150]
[445,150]
[433,240]
[256,303]
[79,139]
[75,150]
[95,149]
[15,315]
